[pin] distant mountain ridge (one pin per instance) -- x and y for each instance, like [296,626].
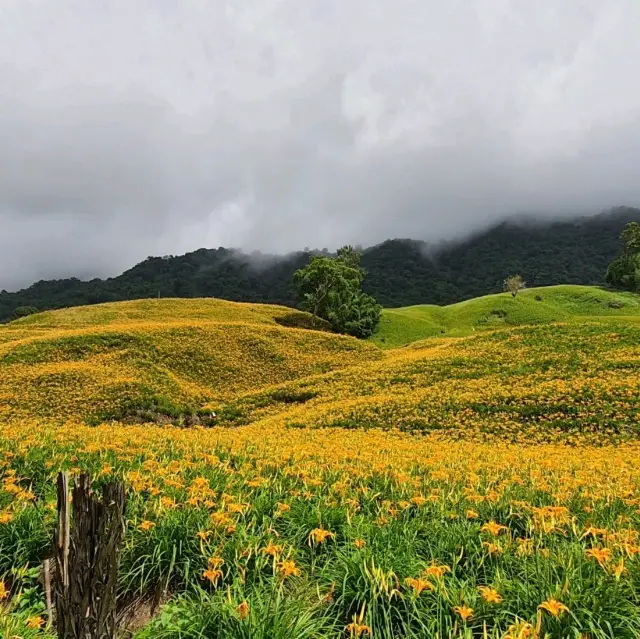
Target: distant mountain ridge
[400,272]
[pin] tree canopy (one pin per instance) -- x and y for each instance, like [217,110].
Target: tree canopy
[513,284]
[24,311]
[624,271]
[330,288]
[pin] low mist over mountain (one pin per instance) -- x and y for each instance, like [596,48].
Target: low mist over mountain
[146,128]
[400,272]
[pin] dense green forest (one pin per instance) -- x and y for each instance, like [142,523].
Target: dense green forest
[398,272]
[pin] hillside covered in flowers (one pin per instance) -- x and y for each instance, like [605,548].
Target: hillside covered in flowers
[284,482]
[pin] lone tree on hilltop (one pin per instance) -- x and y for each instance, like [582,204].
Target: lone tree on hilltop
[330,289]
[624,271]
[513,284]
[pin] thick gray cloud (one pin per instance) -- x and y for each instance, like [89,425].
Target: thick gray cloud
[152,127]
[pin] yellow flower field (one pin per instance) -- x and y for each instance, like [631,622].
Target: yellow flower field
[87,364]
[486,486]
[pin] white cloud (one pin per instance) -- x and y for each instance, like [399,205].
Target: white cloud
[131,128]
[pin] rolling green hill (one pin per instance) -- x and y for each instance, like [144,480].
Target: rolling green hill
[402,326]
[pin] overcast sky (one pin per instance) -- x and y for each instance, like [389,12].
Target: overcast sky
[138,127]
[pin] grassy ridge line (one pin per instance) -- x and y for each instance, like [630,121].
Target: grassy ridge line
[160,310]
[556,304]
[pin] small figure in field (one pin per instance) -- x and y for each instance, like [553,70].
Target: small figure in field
[513,284]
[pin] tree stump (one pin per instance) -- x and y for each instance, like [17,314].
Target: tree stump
[87,557]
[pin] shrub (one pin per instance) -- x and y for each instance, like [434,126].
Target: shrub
[23,311]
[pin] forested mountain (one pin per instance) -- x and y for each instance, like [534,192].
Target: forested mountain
[399,272]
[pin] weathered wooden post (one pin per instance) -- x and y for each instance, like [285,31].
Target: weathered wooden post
[87,557]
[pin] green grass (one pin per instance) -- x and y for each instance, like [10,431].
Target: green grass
[401,326]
